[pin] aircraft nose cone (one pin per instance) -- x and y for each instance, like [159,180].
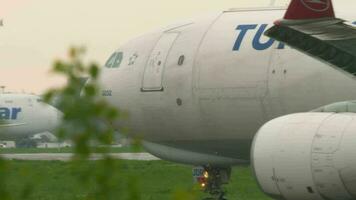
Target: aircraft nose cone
[55,118]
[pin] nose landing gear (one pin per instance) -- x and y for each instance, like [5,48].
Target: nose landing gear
[211,179]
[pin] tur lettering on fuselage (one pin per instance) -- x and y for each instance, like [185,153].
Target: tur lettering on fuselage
[9,113]
[257,42]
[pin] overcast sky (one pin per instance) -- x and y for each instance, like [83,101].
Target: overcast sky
[35,32]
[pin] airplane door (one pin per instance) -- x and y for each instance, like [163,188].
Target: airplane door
[153,75]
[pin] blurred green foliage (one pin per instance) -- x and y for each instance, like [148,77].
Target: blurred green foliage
[87,117]
[87,121]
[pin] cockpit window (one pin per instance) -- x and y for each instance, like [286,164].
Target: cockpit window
[118,60]
[114,60]
[111,61]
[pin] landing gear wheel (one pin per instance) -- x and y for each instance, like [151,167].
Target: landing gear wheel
[216,177]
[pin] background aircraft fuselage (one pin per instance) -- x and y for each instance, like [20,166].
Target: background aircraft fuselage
[23,115]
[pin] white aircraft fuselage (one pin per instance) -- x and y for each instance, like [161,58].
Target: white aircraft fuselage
[198,92]
[23,115]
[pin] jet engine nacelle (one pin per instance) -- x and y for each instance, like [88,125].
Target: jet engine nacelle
[309,156]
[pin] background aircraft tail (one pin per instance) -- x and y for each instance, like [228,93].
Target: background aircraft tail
[309,9]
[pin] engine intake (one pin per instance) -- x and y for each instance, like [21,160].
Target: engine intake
[309,156]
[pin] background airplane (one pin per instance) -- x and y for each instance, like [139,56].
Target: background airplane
[23,115]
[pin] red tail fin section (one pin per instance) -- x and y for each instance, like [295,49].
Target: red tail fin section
[309,9]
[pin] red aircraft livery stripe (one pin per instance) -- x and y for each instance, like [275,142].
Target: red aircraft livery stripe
[309,9]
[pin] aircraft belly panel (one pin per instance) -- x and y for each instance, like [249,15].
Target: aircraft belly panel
[230,118]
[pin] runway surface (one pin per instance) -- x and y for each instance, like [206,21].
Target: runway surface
[68,156]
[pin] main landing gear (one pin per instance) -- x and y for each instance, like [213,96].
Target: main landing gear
[211,179]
